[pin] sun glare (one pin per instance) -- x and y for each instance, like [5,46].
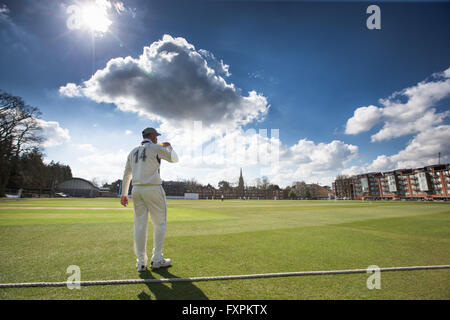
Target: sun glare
[95,18]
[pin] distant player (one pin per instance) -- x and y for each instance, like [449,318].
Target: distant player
[143,164]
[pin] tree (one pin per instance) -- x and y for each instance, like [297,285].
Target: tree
[292,194]
[264,183]
[20,133]
[96,181]
[300,189]
[192,185]
[114,187]
[224,185]
[315,190]
[308,194]
[273,187]
[56,173]
[30,172]
[286,192]
[106,185]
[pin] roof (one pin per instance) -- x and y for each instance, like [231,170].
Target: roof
[81,179]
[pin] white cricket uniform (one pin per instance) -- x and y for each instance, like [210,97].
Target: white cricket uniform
[142,166]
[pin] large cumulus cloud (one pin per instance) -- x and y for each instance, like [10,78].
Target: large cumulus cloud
[178,85]
[174,83]
[409,111]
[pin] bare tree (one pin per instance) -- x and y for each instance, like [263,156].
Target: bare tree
[258,183]
[314,190]
[264,183]
[300,189]
[192,185]
[96,182]
[292,194]
[20,133]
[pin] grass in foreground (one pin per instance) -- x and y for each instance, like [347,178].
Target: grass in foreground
[40,238]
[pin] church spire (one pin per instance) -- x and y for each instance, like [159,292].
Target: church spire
[241,185]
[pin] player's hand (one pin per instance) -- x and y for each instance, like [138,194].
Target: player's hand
[124,201]
[166,144]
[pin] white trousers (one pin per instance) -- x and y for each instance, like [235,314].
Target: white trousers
[149,199]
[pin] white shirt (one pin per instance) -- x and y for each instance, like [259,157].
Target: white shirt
[143,164]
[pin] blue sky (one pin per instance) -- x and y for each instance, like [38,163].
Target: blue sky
[315,69]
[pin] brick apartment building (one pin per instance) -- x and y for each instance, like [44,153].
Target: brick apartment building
[343,188]
[367,185]
[427,183]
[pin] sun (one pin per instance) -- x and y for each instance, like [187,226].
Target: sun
[95,17]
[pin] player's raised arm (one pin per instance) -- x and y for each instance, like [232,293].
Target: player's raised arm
[167,153]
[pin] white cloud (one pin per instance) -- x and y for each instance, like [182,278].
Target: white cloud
[106,165]
[409,111]
[4,10]
[70,90]
[382,163]
[305,161]
[421,151]
[204,148]
[353,170]
[53,133]
[211,160]
[313,162]
[319,157]
[397,128]
[85,147]
[177,85]
[218,66]
[363,119]
[446,73]
[173,83]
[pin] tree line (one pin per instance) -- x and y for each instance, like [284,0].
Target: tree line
[21,155]
[302,190]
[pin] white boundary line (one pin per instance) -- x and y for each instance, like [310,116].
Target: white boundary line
[214,278]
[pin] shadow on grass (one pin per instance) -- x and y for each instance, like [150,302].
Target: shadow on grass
[172,290]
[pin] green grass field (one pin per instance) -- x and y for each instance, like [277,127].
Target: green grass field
[40,238]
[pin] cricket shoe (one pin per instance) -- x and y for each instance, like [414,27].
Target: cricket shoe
[141,267]
[163,263]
